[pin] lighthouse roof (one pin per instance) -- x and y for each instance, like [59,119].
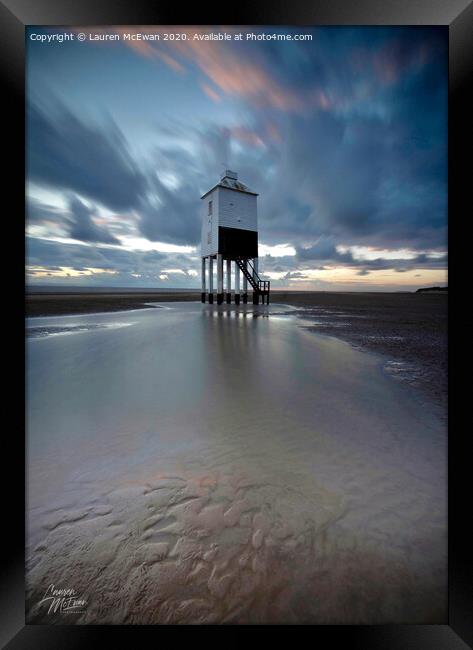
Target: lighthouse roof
[230,181]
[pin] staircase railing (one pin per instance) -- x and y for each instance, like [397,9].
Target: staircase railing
[250,273]
[263,286]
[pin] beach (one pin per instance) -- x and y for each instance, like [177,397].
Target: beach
[198,464]
[408,329]
[59,303]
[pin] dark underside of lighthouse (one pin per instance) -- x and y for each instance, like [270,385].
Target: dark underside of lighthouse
[234,243]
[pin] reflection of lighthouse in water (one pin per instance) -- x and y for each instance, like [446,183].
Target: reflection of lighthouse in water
[230,234]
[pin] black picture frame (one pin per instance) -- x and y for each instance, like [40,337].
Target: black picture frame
[458,16]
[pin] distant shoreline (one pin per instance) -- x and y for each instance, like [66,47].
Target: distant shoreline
[432,290]
[63,304]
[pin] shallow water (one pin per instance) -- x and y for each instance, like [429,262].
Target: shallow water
[218,464]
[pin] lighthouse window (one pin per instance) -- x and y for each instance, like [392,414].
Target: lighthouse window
[210,207]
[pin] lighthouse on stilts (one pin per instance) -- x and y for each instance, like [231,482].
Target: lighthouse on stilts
[230,238]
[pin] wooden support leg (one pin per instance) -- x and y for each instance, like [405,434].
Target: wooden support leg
[219,279]
[211,280]
[245,287]
[229,282]
[237,284]
[203,280]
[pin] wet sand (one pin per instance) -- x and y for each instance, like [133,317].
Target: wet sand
[82,302]
[409,329]
[193,464]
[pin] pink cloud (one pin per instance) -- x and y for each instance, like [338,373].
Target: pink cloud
[225,66]
[228,71]
[247,136]
[210,92]
[147,49]
[234,75]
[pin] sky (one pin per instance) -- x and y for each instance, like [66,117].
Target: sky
[343,134]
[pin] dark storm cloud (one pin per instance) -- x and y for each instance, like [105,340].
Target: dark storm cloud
[324,250]
[83,228]
[359,179]
[176,219]
[68,155]
[38,212]
[371,168]
[94,161]
[75,222]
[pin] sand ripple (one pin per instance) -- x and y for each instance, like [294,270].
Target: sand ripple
[215,547]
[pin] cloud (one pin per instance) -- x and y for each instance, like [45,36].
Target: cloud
[359,179]
[210,92]
[246,136]
[173,216]
[324,250]
[295,275]
[327,252]
[237,69]
[92,160]
[121,267]
[38,212]
[82,226]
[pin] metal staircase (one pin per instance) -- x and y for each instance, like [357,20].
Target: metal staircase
[260,287]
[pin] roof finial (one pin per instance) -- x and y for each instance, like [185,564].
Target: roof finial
[229,174]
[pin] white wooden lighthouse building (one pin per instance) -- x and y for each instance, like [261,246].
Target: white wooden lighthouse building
[230,238]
